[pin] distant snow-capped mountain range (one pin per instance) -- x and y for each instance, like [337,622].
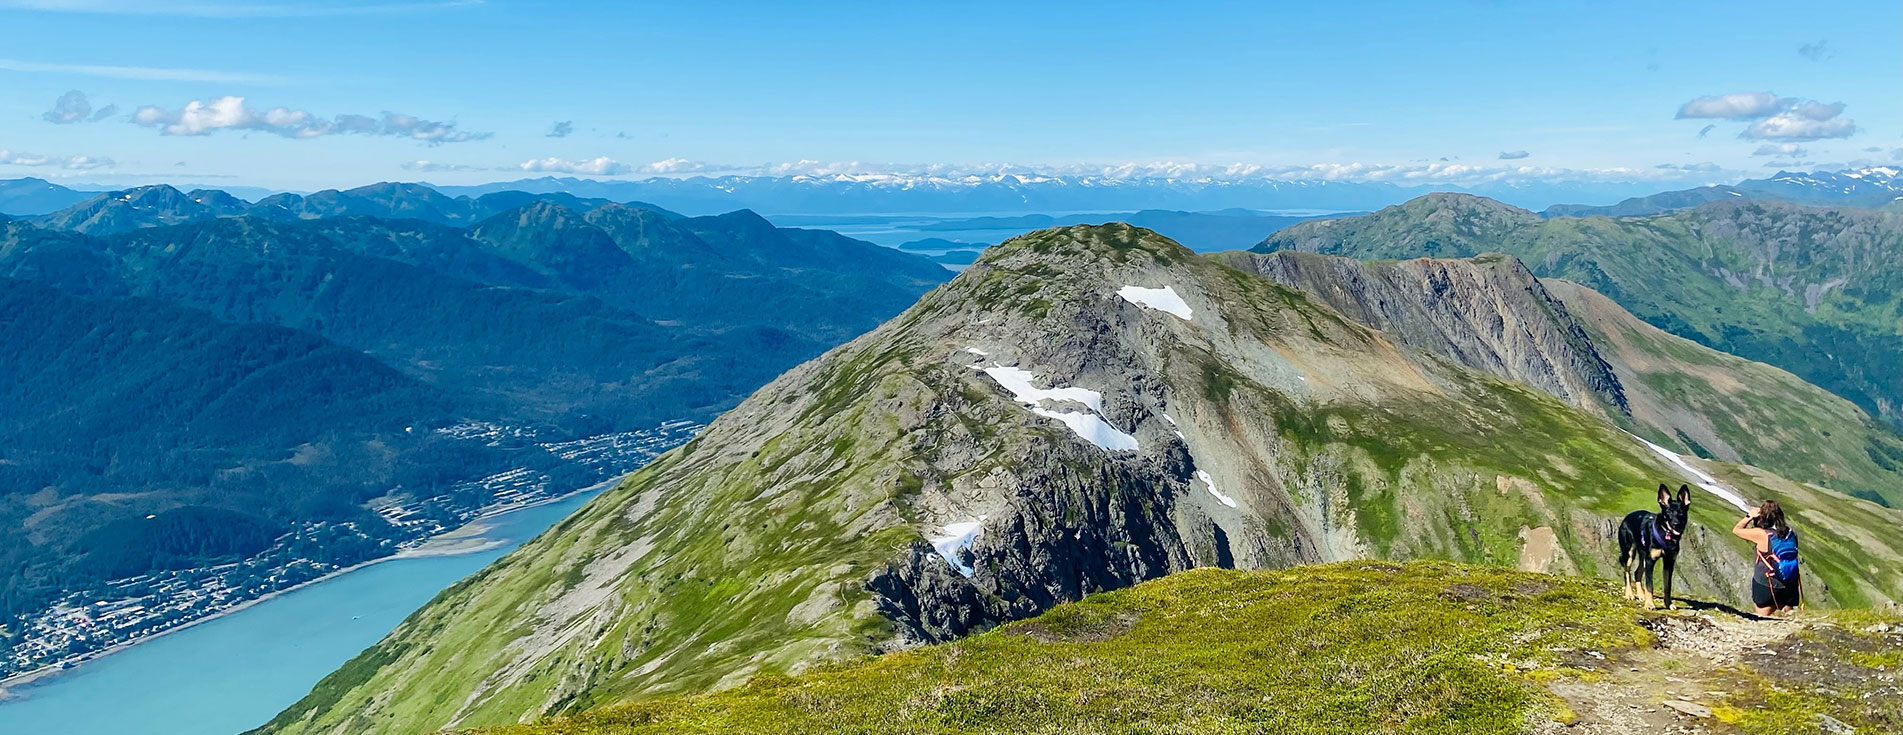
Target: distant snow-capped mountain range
[1026,193]
[889,193]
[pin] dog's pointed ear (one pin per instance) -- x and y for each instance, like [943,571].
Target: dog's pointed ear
[1665,494]
[1685,494]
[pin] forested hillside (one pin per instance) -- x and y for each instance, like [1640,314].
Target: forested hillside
[237,378]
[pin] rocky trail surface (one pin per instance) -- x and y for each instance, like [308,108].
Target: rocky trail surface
[1718,670]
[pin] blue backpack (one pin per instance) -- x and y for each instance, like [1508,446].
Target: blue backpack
[1784,553]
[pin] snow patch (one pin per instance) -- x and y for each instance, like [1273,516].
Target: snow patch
[976,351]
[1211,485]
[957,539]
[1161,299]
[1166,417]
[1090,426]
[1704,480]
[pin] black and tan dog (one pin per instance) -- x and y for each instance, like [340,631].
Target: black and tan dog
[1646,537]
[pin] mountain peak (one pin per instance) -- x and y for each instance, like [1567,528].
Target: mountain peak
[1085,408]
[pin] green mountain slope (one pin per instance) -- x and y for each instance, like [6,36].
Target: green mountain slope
[1424,647]
[1084,409]
[113,410]
[1584,349]
[108,420]
[1719,406]
[1816,291]
[1341,648]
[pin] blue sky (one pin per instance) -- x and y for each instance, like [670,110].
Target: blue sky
[1325,90]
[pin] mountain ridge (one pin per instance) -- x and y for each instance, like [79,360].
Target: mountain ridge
[1083,409]
[1809,289]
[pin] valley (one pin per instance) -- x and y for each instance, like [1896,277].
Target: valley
[229,672]
[207,403]
[89,623]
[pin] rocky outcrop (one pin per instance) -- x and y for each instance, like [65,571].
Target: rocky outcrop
[1486,313]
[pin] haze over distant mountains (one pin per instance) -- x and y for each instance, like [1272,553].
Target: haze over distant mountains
[1869,187]
[1026,193]
[266,366]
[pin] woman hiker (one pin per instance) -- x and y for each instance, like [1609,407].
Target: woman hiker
[1775,584]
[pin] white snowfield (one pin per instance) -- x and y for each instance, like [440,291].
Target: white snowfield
[1210,483]
[1161,299]
[1090,426]
[958,537]
[1704,480]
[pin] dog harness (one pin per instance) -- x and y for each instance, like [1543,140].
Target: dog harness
[1663,536]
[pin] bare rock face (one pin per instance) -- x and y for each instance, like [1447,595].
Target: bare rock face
[1083,409]
[1488,313]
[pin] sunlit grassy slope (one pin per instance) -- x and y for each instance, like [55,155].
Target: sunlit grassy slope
[1425,647]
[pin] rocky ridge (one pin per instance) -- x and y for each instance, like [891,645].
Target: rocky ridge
[1083,409]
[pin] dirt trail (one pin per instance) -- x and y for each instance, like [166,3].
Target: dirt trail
[1671,688]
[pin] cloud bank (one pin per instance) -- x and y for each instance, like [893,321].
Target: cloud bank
[427,166]
[605,166]
[601,166]
[1789,150]
[231,113]
[70,163]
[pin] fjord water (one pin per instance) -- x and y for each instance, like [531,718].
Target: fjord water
[233,673]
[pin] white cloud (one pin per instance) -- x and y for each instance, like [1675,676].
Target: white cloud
[1773,117]
[148,73]
[426,166]
[71,163]
[675,166]
[1419,172]
[1818,50]
[1787,150]
[561,129]
[1690,167]
[424,130]
[73,107]
[231,113]
[1740,106]
[602,166]
[1513,155]
[220,9]
[1798,126]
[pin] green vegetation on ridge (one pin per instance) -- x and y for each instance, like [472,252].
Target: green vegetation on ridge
[1358,647]
[1816,291]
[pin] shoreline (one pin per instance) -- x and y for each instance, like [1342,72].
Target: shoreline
[447,543]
